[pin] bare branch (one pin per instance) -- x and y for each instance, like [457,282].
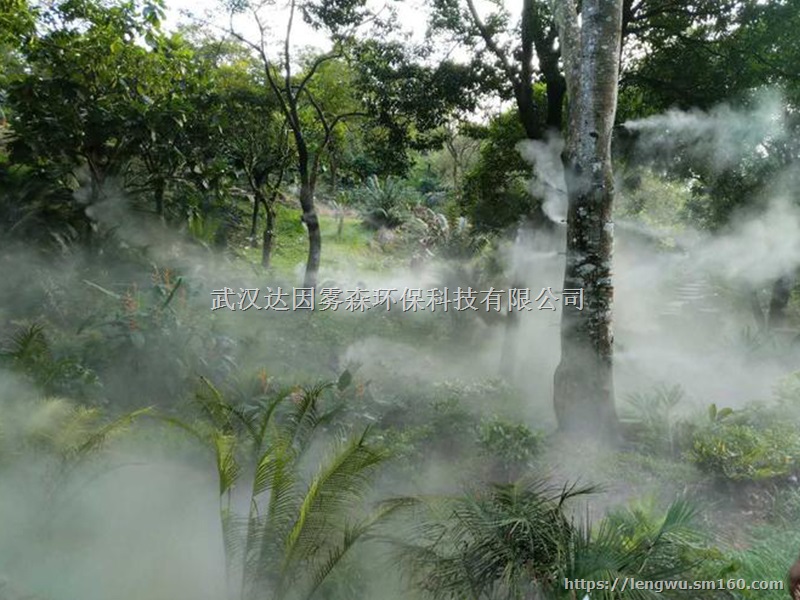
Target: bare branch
[286,56]
[565,14]
[490,42]
[323,58]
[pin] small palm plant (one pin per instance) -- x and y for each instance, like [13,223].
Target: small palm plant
[651,419]
[60,439]
[639,544]
[295,529]
[508,541]
[387,203]
[518,542]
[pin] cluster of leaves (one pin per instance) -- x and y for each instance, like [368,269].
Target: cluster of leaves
[518,541]
[296,529]
[446,423]
[56,427]
[430,233]
[511,443]
[771,548]
[652,423]
[495,190]
[385,203]
[758,443]
[149,326]
[739,447]
[29,352]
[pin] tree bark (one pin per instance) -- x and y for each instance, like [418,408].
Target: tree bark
[310,219]
[254,217]
[584,381]
[781,293]
[158,193]
[269,233]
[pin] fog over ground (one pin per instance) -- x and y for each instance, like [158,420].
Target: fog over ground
[148,524]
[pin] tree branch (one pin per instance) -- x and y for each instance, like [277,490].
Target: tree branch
[490,42]
[313,69]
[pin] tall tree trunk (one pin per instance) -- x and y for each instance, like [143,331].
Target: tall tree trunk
[759,315]
[269,233]
[307,185]
[254,216]
[781,293]
[526,109]
[158,192]
[584,381]
[314,235]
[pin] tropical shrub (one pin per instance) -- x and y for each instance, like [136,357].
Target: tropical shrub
[28,352]
[511,445]
[516,541]
[741,451]
[295,529]
[651,420]
[385,203]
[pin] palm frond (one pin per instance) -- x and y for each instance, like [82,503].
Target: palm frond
[351,534]
[306,416]
[99,437]
[27,344]
[340,483]
[227,465]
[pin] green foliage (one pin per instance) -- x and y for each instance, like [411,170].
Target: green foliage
[503,542]
[152,329]
[767,557]
[642,542]
[759,443]
[652,420]
[58,428]
[741,451]
[56,444]
[787,390]
[73,102]
[706,56]
[38,204]
[387,203]
[517,541]
[28,352]
[407,98]
[297,528]
[429,233]
[513,444]
[495,194]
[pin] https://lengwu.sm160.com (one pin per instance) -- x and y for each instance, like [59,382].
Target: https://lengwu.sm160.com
[631,583]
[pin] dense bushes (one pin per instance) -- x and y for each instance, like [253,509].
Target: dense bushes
[518,541]
[741,451]
[385,203]
[758,443]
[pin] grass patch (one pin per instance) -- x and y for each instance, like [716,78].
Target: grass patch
[768,558]
[352,250]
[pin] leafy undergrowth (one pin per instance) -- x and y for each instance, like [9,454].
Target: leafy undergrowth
[729,470]
[351,250]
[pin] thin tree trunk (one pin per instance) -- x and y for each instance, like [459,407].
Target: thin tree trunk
[269,234]
[584,380]
[758,312]
[781,293]
[254,218]
[158,193]
[334,176]
[508,353]
[314,235]
[526,109]
[556,90]
[307,184]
